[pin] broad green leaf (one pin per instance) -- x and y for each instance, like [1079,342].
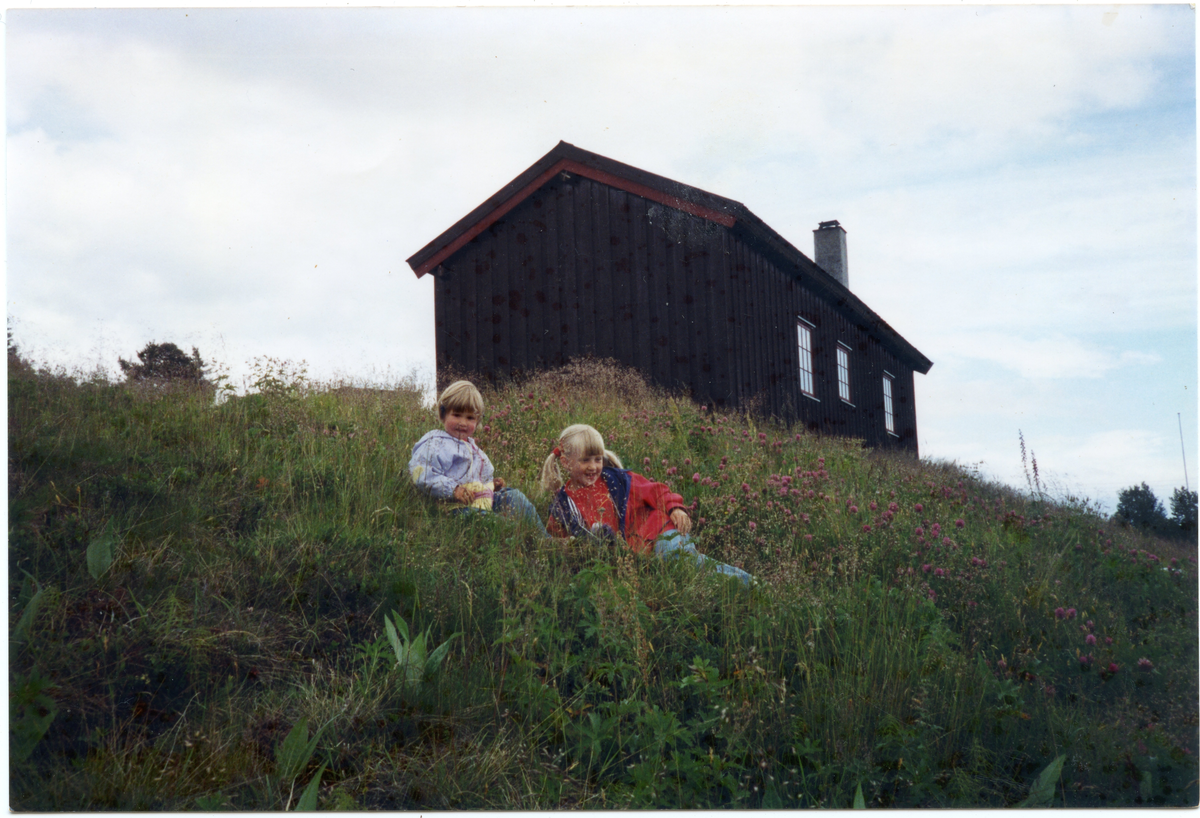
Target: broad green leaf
[308,799]
[30,712]
[859,801]
[293,755]
[1042,791]
[100,552]
[399,649]
[21,630]
[439,654]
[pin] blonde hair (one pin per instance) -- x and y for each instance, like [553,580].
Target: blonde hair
[576,441]
[460,396]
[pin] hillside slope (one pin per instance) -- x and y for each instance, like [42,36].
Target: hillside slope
[198,596]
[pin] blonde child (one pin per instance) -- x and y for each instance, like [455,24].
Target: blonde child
[449,466]
[600,498]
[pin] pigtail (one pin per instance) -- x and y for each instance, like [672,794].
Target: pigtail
[611,460]
[551,477]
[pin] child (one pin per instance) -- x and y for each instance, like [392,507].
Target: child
[447,464]
[603,499]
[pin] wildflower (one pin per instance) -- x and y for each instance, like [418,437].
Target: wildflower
[1059,613]
[918,508]
[939,572]
[866,528]
[645,461]
[1145,664]
[1113,667]
[696,477]
[753,525]
[1090,639]
[1090,624]
[959,523]
[808,537]
[1071,613]
[853,509]
[1086,660]
[920,532]
[872,506]
[926,568]
[947,541]
[1108,640]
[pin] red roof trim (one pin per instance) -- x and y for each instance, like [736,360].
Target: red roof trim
[571,166]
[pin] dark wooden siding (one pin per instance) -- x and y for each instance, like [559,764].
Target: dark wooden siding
[582,268]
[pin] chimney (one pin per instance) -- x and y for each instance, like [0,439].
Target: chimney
[829,249]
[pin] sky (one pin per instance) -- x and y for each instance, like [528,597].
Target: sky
[1017,183]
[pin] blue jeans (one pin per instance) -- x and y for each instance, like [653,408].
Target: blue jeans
[512,503]
[670,543]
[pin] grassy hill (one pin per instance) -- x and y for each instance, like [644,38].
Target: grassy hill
[200,599]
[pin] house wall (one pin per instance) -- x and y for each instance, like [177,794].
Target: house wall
[582,268]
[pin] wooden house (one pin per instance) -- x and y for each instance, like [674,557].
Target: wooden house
[582,255]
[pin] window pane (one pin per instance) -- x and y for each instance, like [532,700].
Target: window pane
[805,348]
[843,365]
[889,419]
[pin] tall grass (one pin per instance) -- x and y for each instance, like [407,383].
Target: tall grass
[191,581]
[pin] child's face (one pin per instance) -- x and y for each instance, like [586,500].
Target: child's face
[584,470]
[460,423]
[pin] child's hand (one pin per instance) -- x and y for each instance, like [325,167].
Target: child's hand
[683,523]
[464,495]
[497,484]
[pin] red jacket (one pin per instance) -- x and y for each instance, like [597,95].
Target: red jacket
[643,508]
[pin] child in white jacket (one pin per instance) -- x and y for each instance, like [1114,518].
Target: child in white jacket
[449,466]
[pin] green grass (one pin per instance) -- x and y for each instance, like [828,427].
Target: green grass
[190,584]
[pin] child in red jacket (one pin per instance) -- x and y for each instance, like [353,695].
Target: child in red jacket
[600,498]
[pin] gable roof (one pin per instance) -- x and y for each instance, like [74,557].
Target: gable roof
[565,157]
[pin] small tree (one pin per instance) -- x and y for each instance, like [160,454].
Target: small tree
[165,362]
[1183,512]
[1137,506]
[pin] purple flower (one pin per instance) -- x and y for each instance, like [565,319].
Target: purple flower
[926,568]
[853,509]
[1071,613]
[920,532]
[753,525]
[1059,613]
[696,477]
[1090,639]
[959,523]
[866,527]
[645,461]
[1145,664]
[918,508]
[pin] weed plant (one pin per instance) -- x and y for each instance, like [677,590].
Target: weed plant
[194,585]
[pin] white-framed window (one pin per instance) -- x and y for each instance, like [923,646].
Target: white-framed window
[889,416]
[804,348]
[843,369]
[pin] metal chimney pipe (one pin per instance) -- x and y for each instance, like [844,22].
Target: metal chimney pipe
[829,250]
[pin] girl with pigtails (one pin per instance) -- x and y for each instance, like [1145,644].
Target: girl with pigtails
[600,498]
